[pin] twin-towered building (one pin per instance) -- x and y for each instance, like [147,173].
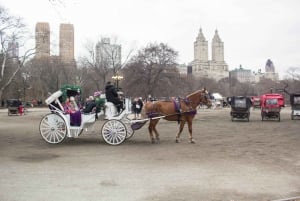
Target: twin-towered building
[66,41]
[216,67]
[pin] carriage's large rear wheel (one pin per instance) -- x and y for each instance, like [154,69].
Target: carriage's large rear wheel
[114,132]
[53,128]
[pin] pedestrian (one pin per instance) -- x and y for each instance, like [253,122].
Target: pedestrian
[137,106]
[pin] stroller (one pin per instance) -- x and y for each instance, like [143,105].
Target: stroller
[240,107]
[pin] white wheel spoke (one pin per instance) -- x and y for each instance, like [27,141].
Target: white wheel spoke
[114,132]
[53,128]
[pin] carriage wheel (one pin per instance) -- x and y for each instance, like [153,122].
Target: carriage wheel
[278,116]
[114,132]
[127,123]
[262,116]
[53,128]
[292,116]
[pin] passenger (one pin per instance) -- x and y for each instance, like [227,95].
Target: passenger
[99,100]
[89,105]
[72,109]
[112,96]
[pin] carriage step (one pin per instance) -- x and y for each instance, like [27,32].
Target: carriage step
[75,131]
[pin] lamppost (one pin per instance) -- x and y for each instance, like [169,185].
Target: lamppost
[116,79]
[25,76]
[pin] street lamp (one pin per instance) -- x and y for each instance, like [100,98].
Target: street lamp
[25,76]
[117,78]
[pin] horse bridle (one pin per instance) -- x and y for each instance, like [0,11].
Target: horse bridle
[203,95]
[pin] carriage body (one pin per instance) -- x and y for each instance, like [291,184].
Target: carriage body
[256,102]
[56,126]
[271,106]
[240,108]
[295,105]
[13,106]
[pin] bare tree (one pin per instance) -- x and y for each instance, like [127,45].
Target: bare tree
[96,70]
[11,30]
[294,73]
[152,71]
[103,61]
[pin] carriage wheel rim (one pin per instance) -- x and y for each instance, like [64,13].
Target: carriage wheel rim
[114,132]
[53,129]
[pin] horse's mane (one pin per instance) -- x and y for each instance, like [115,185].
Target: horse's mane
[196,92]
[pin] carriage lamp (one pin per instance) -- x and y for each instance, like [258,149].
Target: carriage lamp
[117,78]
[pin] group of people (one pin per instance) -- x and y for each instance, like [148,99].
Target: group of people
[95,104]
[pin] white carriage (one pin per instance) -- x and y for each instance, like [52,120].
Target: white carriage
[56,126]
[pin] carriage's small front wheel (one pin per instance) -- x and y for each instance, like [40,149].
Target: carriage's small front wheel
[53,128]
[114,132]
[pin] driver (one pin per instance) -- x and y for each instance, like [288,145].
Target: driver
[112,96]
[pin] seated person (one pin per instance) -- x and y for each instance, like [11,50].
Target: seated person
[99,100]
[89,105]
[72,109]
[112,96]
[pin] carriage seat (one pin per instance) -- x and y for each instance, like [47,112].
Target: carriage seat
[110,110]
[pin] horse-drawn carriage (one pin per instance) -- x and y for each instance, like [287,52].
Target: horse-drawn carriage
[56,126]
[13,106]
[256,102]
[240,107]
[271,105]
[295,105]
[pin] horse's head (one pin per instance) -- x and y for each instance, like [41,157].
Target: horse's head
[204,98]
[199,97]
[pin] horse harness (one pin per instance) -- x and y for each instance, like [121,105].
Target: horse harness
[177,107]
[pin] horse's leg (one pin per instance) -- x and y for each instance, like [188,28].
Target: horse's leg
[155,131]
[182,122]
[190,126]
[150,129]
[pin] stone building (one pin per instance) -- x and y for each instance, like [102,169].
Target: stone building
[108,54]
[270,71]
[216,68]
[13,49]
[66,42]
[42,39]
[242,75]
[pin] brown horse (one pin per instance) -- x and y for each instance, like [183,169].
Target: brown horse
[183,110]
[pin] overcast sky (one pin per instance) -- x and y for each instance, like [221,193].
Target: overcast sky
[252,30]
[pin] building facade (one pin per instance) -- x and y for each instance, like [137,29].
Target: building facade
[242,75]
[42,39]
[108,54]
[13,49]
[66,42]
[216,68]
[270,71]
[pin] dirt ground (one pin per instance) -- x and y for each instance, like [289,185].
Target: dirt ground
[237,161]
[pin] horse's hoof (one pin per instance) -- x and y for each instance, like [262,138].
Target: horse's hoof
[157,140]
[177,141]
[152,141]
[192,142]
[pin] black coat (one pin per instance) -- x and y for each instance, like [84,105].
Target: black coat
[111,93]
